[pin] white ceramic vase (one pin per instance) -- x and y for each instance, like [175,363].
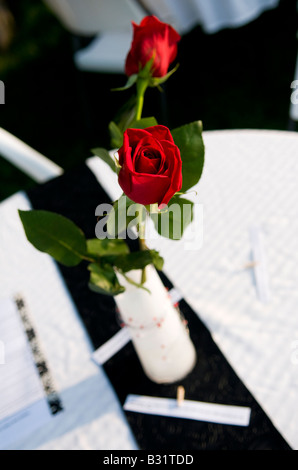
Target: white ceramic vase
[159,334]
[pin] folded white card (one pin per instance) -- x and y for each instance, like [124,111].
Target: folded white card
[23,403]
[195,410]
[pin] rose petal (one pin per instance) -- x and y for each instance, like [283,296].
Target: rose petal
[147,164]
[151,166]
[160,133]
[175,170]
[145,188]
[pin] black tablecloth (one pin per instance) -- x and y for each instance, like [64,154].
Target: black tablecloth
[76,194]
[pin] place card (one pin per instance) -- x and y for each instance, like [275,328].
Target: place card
[112,346]
[175,295]
[195,410]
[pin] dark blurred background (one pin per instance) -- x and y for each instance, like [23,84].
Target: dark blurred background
[236,78]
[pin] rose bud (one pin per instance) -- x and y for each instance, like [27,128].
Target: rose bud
[155,40]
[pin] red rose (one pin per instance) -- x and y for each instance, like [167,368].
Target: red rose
[152,38]
[151,166]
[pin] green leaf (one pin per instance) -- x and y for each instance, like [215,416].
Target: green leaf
[144,122]
[126,114]
[138,260]
[145,73]
[123,214]
[116,135]
[157,260]
[130,82]
[140,285]
[116,132]
[104,280]
[173,220]
[105,156]
[98,248]
[190,142]
[157,81]
[56,235]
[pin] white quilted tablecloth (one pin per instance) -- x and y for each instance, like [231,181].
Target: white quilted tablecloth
[250,179]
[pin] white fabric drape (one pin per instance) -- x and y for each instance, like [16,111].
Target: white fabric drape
[212,15]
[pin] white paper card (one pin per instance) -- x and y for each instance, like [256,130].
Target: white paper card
[200,411]
[175,295]
[112,346]
[23,405]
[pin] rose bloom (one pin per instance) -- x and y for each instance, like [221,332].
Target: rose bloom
[152,39]
[151,166]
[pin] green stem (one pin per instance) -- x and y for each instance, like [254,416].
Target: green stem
[142,84]
[142,244]
[135,283]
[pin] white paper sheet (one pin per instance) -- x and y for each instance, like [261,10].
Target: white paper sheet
[23,403]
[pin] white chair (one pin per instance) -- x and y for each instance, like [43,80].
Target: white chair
[26,159]
[109,21]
